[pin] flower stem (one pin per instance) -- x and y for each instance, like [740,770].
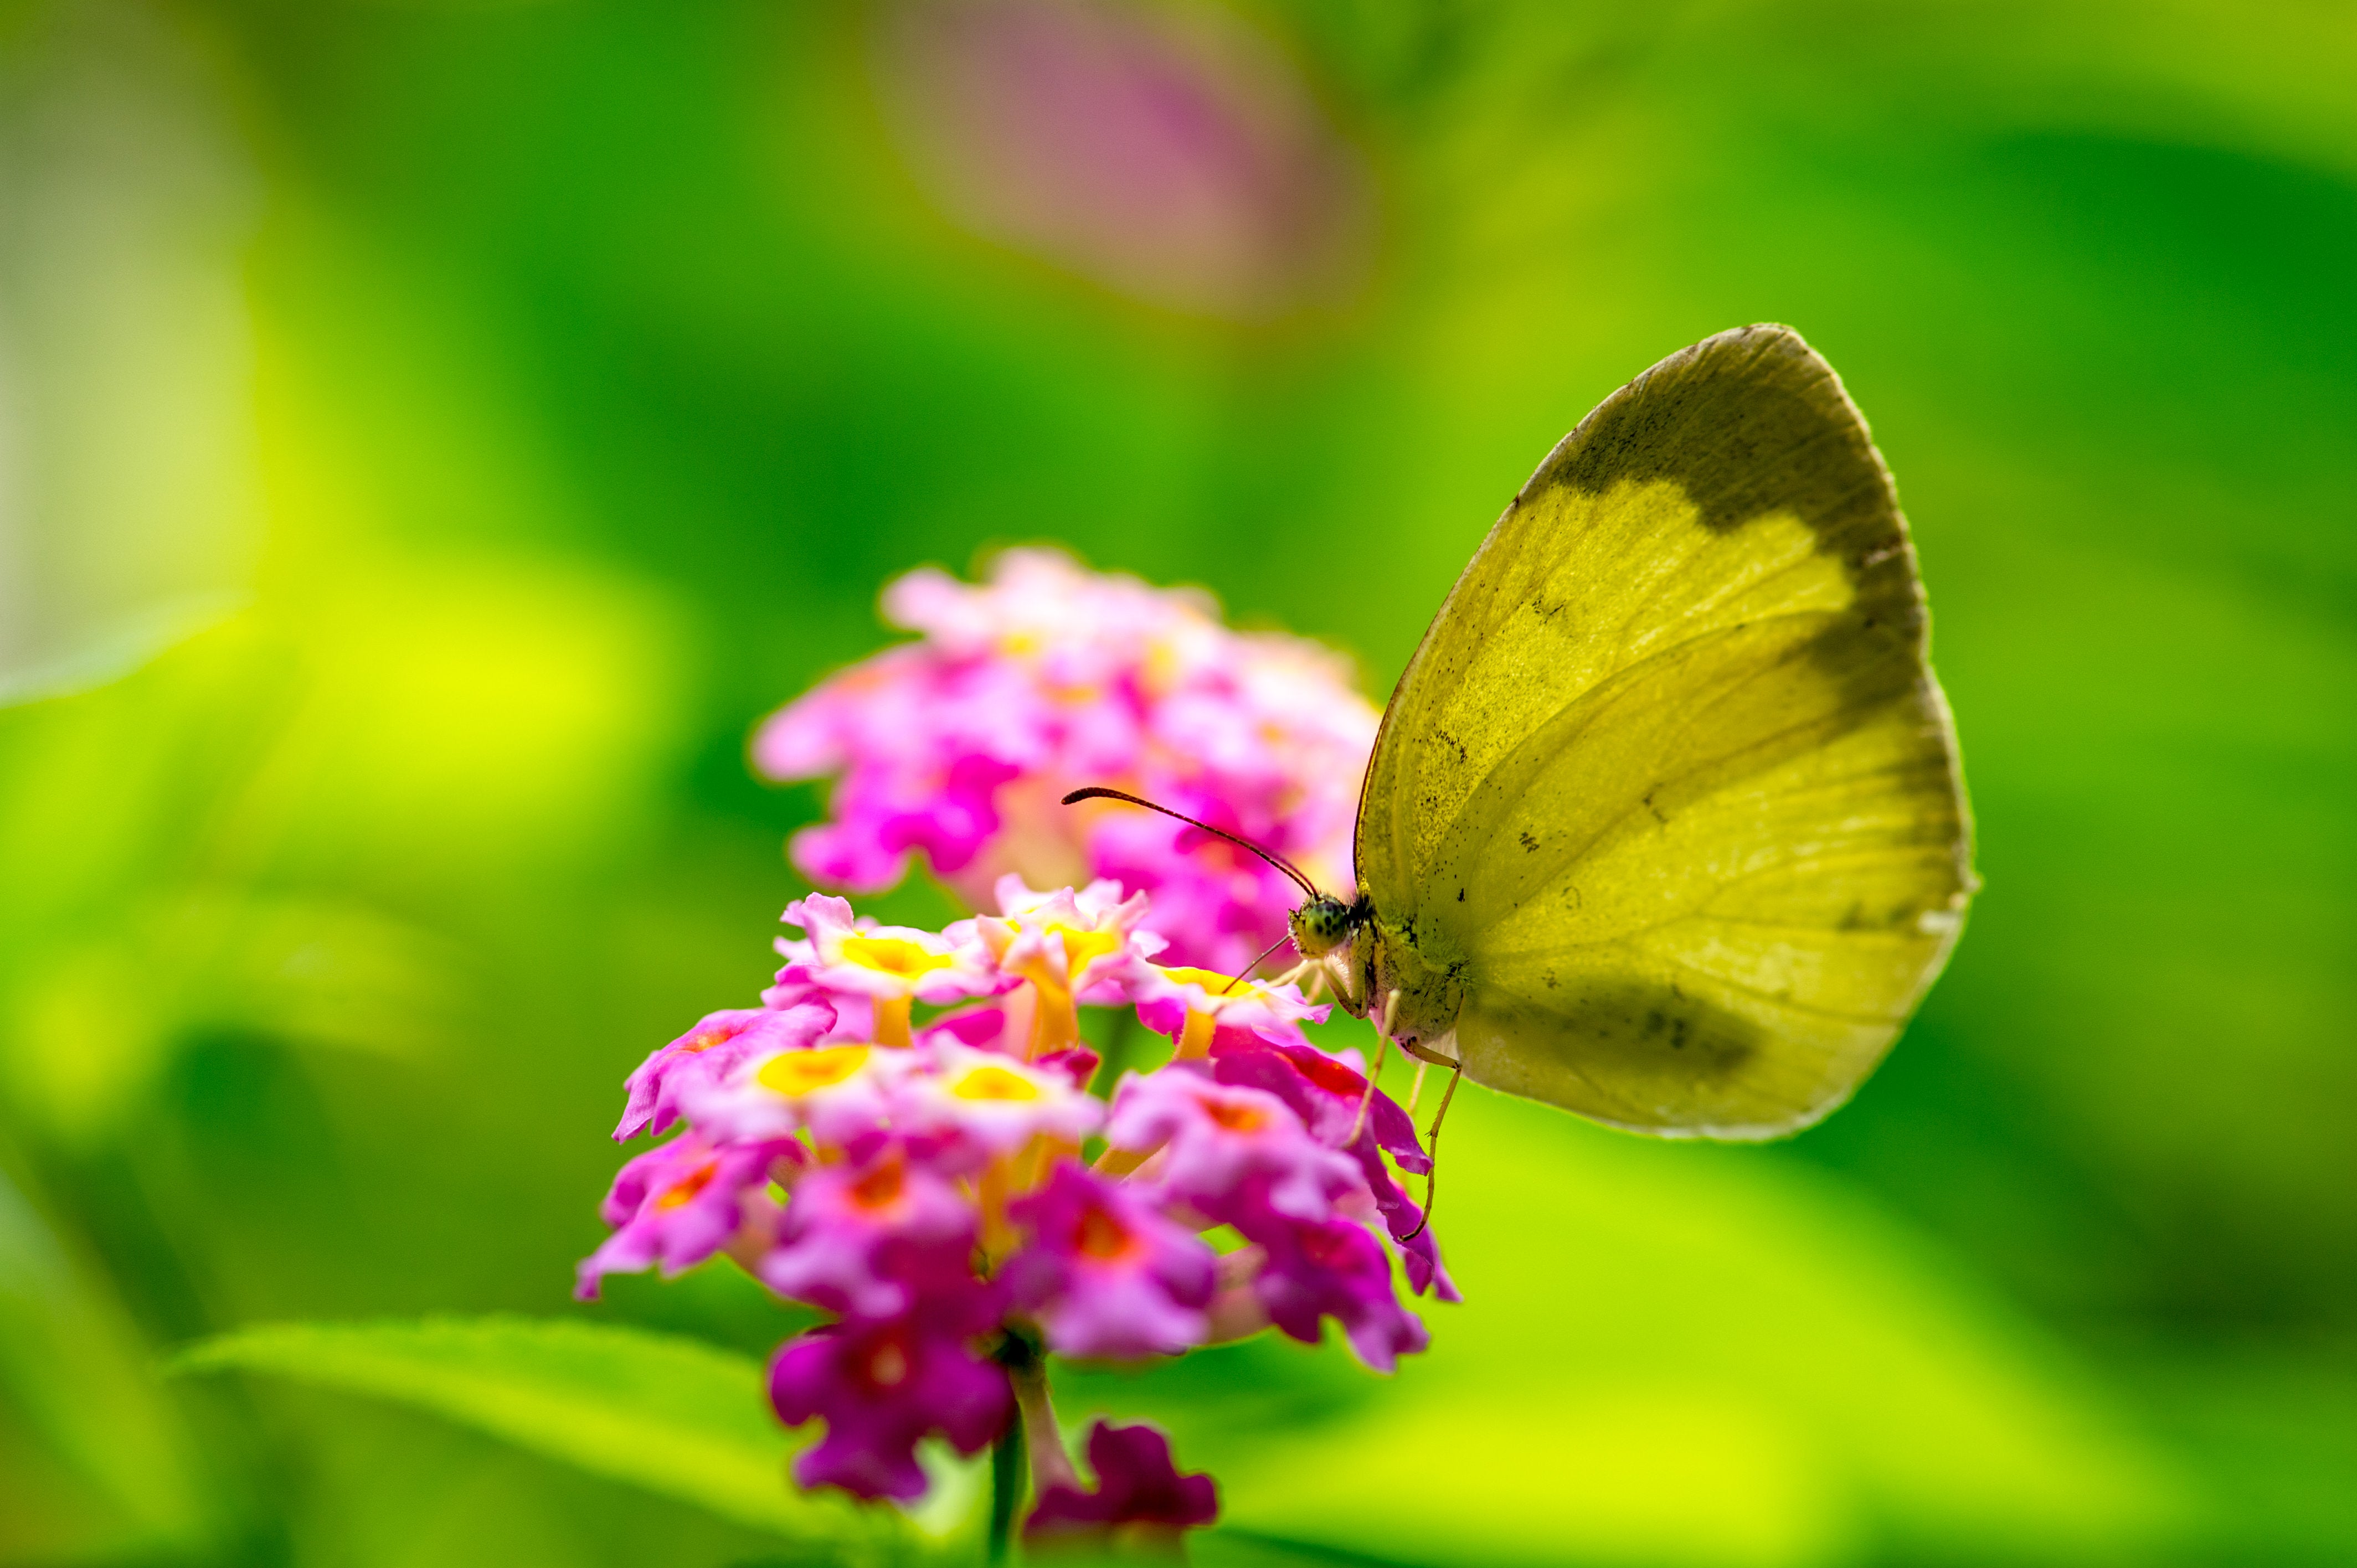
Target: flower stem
[1051,1465]
[1032,1448]
[1006,1477]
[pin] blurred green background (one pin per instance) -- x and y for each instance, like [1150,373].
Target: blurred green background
[432,433]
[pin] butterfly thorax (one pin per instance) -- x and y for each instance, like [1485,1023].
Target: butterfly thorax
[1421,966]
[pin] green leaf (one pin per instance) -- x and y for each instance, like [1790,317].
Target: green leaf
[670,1415]
[75,1377]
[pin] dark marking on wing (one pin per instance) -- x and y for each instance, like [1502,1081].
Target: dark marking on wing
[1748,423]
[1645,1039]
[1742,423]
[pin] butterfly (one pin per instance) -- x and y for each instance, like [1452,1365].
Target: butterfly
[1664,823]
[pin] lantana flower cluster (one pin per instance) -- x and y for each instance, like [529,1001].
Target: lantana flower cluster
[903,1136]
[956,748]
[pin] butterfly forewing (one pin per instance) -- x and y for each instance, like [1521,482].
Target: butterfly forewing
[1668,789]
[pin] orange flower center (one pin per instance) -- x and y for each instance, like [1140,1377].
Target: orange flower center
[1102,1236]
[1236,1117]
[881,1187]
[888,1365]
[683,1190]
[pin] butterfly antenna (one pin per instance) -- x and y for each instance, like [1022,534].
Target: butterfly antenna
[1098,792]
[1431,1148]
[1236,980]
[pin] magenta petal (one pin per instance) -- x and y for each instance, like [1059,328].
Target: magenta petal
[678,1204]
[881,1387]
[1137,1484]
[1334,1268]
[712,1049]
[1077,1063]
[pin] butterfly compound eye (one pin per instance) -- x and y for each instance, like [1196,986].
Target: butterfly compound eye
[1321,925]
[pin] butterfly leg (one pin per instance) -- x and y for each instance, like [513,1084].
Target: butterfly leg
[1375,1066]
[1432,1149]
[1390,1013]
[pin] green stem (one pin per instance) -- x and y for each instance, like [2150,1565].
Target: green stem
[1006,1477]
[1010,1458]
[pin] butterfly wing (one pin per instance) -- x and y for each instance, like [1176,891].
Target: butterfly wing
[1669,795]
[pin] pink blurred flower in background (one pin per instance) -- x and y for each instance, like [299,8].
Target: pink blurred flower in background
[956,748]
[1171,153]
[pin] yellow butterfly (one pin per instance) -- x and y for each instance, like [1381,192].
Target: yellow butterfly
[1664,823]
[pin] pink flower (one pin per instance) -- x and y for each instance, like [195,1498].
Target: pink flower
[708,1053]
[1137,1485]
[891,966]
[838,1093]
[1167,995]
[1222,1146]
[992,1104]
[935,1203]
[1198,1008]
[1085,944]
[1105,1273]
[679,1203]
[1046,677]
[1068,949]
[844,953]
[857,1237]
[883,1386]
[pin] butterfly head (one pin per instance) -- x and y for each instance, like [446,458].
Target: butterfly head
[1325,923]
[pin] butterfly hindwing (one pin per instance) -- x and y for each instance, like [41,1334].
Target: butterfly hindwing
[1668,791]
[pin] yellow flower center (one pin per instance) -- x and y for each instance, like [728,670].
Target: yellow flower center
[893,955]
[797,1073]
[1083,948]
[994,1083]
[1220,987]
